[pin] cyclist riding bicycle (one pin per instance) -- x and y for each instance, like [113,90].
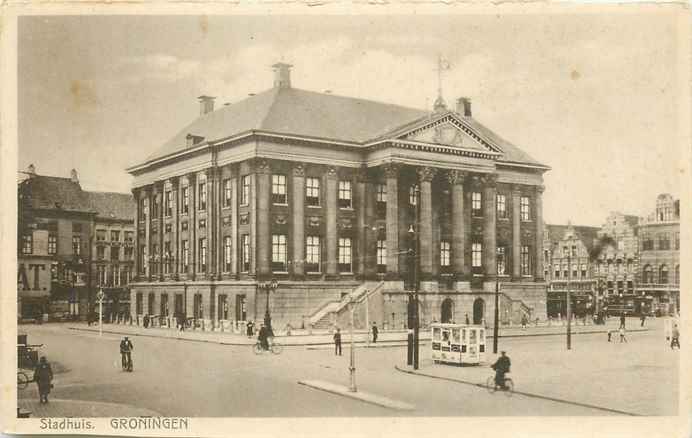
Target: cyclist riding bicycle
[501,367]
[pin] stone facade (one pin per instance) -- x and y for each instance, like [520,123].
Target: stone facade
[235,209]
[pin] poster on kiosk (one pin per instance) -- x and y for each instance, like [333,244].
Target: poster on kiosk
[458,344]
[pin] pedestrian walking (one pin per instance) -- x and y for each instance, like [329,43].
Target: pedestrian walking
[375,331]
[610,334]
[466,318]
[622,335]
[675,340]
[622,320]
[524,320]
[126,348]
[643,318]
[43,376]
[337,342]
[250,329]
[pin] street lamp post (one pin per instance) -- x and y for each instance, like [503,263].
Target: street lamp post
[413,338]
[272,285]
[352,365]
[569,302]
[496,324]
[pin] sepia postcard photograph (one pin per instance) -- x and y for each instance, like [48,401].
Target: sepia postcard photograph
[269,218]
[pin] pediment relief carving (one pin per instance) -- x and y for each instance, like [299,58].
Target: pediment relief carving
[445,133]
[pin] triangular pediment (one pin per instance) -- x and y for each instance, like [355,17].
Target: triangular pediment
[447,131]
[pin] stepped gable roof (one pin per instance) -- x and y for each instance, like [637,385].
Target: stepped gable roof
[303,113]
[631,220]
[586,234]
[111,205]
[51,192]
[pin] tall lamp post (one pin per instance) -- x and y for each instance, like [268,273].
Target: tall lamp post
[413,307]
[352,365]
[496,324]
[272,285]
[569,302]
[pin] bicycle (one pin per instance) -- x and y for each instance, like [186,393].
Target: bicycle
[22,380]
[274,347]
[492,386]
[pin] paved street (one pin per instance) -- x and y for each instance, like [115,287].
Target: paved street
[182,378]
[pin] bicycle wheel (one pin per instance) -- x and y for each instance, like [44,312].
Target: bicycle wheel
[510,387]
[490,384]
[257,348]
[277,348]
[22,380]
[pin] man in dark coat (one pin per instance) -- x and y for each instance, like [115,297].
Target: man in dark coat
[43,376]
[250,329]
[501,367]
[375,331]
[622,320]
[337,342]
[126,353]
[263,337]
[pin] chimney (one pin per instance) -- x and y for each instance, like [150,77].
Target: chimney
[282,75]
[31,170]
[464,106]
[73,176]
[206,104]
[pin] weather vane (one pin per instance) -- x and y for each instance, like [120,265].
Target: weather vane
[442,64]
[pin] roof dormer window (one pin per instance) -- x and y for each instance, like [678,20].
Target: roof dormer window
[193,139]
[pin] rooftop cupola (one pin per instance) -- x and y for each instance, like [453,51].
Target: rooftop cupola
[282,75]
[206,104]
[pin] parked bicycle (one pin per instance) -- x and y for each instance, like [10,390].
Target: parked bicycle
[274,347]
[22,380]
[492,386]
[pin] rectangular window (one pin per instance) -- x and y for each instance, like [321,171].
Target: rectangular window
[501,206]
[27,244]
[168,203]
[155,207]
[141,210]
[501,260]
[279,189]
[663,242]
[155,257]
[381,256]
[202,190]
[381,200]
[115,253]
[52,245]
[445,253]
[312,192]
[344,194]
[128,253]
[524,208]
[245,252]
[142,258]
[202,254]
[476,255]
[245,190]
[227,254]
[557,273]
[279,253]
[344,254]
[129,236]
[100,235]
[413,192]
[186,199]
[525,261]
[77,245]
[167,258]
[227,192]
[100,252]
[476,204]
[138,304]
[312,254]
[583,271]
[186,255]
[115,236]
[574,250]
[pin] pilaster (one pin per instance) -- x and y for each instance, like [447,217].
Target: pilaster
[426,255]
[538,245]
[298,221]
[263,239]
[456,180]
[489,227]
[392,176]
[516,233]
[330,222]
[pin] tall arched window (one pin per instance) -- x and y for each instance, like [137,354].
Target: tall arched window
[648,274]
[663,274]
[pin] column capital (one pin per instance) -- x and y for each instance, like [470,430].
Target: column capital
[362,175]
[299,170]
[332,173]
[391,170]
[262,166]
[489,180]
[456,177]
[540,189]
[516,189]
[426,174]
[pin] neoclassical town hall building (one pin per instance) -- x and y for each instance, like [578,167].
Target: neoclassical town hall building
[320,192]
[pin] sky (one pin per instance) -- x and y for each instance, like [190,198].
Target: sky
[592,96]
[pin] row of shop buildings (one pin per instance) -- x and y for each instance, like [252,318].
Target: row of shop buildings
[630,264]
[71,244]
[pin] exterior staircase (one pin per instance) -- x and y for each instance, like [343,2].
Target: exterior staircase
[327,314]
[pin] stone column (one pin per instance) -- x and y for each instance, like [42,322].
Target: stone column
[392,176]
[425,228]
[192,224]
[147,234]
[456,181]
[489,227]
[538,245]
[298,221]
[370,232]
[263,196]
[516,233]
[160,193]
[212,210]
[175,238]
[361,196]
[235,249]
[136,193]
[330,223]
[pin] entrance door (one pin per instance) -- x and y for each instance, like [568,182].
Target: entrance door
[240,308]
[447,311]
[478,309]
[222,308]
[179,304]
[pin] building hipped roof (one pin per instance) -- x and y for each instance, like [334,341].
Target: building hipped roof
[56,193]
[588,235]
[295,112]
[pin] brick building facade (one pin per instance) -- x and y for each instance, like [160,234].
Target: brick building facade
[320,193]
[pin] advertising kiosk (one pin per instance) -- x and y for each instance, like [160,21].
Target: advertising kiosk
[458,344]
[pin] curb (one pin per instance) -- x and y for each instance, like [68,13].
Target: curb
[526,394]
[362,396]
